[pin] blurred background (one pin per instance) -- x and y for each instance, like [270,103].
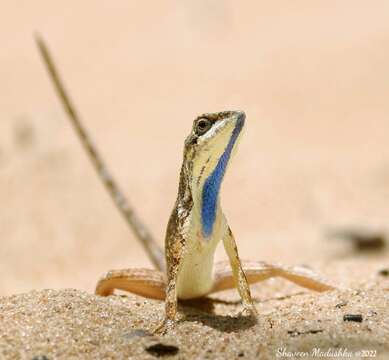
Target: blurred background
[312,77]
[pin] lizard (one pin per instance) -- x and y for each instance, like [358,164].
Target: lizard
[196,226]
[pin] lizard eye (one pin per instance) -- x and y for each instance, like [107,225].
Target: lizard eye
[202,126]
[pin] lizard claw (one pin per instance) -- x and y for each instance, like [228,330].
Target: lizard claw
[164,327]
[249,310]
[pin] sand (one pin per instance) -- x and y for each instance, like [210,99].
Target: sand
[72,324]
[292,323]
[313,79]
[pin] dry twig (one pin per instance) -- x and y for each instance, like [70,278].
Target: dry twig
[154,252]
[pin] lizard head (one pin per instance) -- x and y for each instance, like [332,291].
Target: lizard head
[208,150]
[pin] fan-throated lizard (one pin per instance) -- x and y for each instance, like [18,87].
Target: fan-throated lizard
[197,223]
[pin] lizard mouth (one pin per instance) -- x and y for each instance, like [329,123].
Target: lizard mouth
[241,118]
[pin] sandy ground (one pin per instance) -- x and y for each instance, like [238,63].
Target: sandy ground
[313,80]
[72,324]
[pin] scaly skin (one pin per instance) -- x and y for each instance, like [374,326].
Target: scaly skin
[189,245]
[196,225]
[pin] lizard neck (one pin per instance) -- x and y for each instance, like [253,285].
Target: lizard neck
[206,192]
[199,200]
[206,213]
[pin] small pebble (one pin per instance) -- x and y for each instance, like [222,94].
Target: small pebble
[363,239]
[353,317]
[341,304]
[384,272]
[160,349]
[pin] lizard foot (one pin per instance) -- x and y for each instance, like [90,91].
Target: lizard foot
[164,327]
[249,310]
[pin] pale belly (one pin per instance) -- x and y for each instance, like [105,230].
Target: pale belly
[195,278]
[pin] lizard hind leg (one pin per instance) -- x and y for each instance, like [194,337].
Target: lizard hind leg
[145,282]
[257,271]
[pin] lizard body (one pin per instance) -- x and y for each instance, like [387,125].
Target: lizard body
[196,225]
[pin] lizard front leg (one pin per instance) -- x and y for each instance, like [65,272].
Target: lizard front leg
[170,306]
[238,273]
[174,253]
